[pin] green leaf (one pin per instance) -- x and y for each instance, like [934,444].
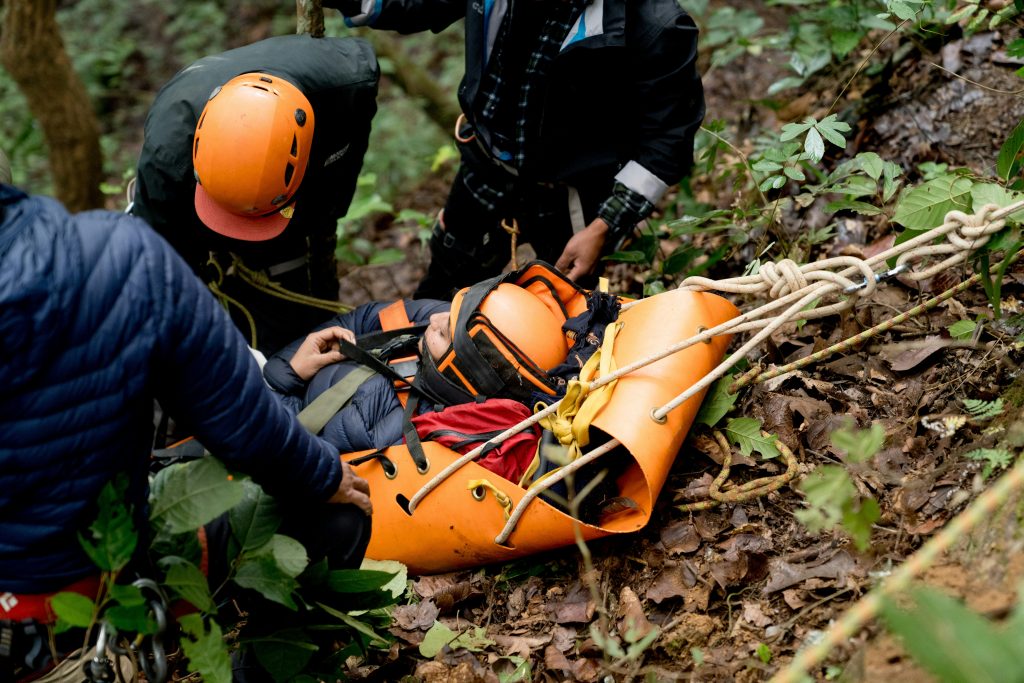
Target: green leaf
[962,329]
[717,402]
[1008,162]
[127,595]
[863,208]
[828,488]
[794,173]
[383,257]
[397,585]
[983,410]
[953,642]
[262,574]
[355,624]
[73,608]
[289,554]
[255,519]
[925,206]
[859,444]
[990,193]
[857,522]
[357,580]
[627,257]
[791,130]
[832,130]
[112,536]
[766,166]
[745,432]
[206,651]
[871,164]
[189,495]
[188,582]
[440,635]
[680,257]
[814,146]
[764,653]
[284,654]
[130,619]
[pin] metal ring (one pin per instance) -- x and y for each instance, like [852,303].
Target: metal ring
[660,420]
[479,493]
[424,467]
[394,470]
[701,330]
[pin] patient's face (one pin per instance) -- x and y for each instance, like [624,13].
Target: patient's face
[437,337]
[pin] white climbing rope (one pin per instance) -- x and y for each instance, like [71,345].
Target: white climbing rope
[794,288]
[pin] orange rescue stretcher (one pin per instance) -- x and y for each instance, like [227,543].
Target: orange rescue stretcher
[456,523]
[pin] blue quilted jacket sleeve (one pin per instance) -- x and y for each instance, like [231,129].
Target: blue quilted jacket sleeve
[98,317]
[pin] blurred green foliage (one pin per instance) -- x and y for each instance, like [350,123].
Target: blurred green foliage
[125,51]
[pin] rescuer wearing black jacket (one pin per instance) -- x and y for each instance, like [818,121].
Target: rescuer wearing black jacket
[578,116]
[254,153]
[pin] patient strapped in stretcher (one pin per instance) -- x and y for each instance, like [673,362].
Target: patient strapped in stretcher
[404,424]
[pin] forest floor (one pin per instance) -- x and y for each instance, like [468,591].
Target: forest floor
[735,591]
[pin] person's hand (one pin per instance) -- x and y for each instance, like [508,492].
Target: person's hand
[319,350]
[582,251]
[353,489]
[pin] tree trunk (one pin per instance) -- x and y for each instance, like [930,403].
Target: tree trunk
[310,17]
[33,53]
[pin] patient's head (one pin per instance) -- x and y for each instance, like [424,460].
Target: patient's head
[497,341]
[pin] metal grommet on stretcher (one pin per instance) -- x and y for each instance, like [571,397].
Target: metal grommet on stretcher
[479,493]
[390,471]
[423,467]
[702,330]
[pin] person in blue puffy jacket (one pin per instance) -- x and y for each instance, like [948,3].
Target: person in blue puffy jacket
[98,317]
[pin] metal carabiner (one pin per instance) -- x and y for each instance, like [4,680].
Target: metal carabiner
[153,659]
[99,669]
[879,277]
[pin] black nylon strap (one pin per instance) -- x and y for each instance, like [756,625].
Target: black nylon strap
[467,356]
[374,363]
[412,439]
[375,340]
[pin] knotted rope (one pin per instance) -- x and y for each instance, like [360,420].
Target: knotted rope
[794,289]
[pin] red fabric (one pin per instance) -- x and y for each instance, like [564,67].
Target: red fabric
[510,458]
[20,606]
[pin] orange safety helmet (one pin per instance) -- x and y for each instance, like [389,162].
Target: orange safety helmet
[505,340]
[250,152]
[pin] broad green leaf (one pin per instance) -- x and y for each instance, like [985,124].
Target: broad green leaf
[188,582]
[962,329]
[832,130]
[112,538]
[745,432]
[206,651]
[284,654]
[792,130]
[73,608]
[766,166]
[189,495]
[845,41]
[717,402]
[952,641]
[828,489]
[255,519]
[386,256]
[857,206]
[990,193]
[127,594]
[134,619]
[263,575]
[859,444]
[289,554]
[680,257]
[814,146]
[1008,164]
[521,672]
[358,580]
[856,186]
[395,586]
[794,173]
[439,635]
[871,164]
[925,206]
[627,257]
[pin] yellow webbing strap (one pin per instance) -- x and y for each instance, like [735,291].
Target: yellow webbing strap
[499,495]
[570,423]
